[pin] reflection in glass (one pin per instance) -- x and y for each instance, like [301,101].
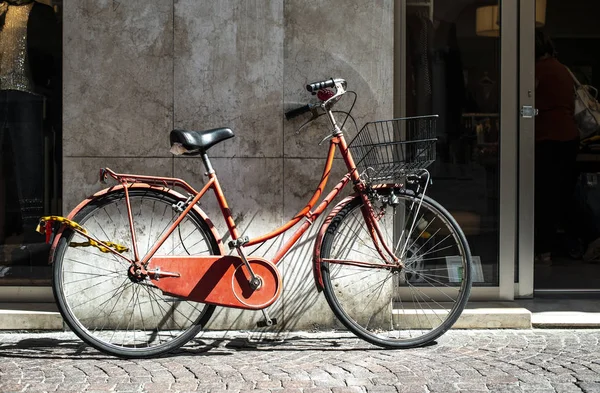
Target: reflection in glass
[29,118]
[454,72]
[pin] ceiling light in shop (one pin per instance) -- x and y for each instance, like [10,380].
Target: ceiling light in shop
[487,19]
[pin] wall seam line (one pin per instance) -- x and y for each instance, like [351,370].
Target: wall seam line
[173,83]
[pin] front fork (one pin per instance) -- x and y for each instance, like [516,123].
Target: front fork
[416,182]
[372,220]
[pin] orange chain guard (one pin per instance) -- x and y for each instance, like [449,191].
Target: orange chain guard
[216,279]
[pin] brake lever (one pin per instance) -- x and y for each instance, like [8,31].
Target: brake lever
[315,114]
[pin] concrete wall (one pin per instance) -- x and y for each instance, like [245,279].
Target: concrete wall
[136,69]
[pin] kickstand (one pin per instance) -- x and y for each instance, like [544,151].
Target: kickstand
[267,321]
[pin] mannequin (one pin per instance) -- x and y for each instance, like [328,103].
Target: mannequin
[29,100]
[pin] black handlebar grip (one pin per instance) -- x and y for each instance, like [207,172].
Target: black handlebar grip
[316,86]
[297,112]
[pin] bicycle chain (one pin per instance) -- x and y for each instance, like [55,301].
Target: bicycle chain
[90,243]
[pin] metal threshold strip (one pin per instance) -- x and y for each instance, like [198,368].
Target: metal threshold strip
[578,292]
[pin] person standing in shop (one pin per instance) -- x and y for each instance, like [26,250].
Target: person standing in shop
[556,146]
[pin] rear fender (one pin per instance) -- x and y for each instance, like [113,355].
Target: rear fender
[135,186]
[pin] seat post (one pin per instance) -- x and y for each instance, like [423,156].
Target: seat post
[207,165]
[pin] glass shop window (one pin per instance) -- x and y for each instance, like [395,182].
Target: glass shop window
[30,135]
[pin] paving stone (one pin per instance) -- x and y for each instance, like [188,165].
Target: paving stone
[442,387]
[237,385]
[412,389]
[299,384]
[42,387]
[566,388]
[590,387]
[156,387]
[357,381]
[329,383]
[202,385]
[348,389]
[316,390]
[101,387]
[98,391]
[261,385]
[128,387]
[381,389]
[471,386]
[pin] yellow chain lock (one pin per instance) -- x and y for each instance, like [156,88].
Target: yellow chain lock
[76,226]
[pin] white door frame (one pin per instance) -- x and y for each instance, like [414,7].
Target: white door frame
[510,225]
[526,167]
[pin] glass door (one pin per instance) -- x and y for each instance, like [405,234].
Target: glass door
[458,59]
[561,224]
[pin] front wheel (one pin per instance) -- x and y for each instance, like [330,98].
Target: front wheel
[380,302]
[113,311]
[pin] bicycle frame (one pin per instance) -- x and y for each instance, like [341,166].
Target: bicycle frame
[307,213]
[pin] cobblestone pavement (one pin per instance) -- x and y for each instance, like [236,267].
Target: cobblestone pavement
[461,361]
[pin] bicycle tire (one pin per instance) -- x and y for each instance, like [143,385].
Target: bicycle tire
[392,308]
[110,311]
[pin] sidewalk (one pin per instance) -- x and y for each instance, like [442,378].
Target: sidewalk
[463,361]
[563,313]
[519,314]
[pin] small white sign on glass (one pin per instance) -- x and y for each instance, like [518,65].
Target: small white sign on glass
[455,268]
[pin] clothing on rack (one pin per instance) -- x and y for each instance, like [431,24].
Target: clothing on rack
[435,82]
[419,56]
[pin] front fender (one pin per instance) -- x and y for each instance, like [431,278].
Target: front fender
[119,187]
[383,188]
[319,240]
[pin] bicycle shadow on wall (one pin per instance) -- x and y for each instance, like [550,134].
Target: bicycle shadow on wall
[300,301]
[298,295]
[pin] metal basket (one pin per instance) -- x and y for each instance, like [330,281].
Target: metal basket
[388,150]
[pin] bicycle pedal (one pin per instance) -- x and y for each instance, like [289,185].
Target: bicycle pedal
[264,323]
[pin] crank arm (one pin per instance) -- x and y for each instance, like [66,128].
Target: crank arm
[158,274]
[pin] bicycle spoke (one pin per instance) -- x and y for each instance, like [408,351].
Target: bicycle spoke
[105,303]
[96,267]
[399,306]
[148,245]
[74,306]
[92,276]
[113,311]
[98,256]
[106,237]
[356,237]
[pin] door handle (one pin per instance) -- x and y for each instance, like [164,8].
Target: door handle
[528,112]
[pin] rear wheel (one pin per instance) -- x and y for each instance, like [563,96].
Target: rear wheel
[387,305]
[116,312]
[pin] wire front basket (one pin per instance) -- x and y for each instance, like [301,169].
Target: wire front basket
[388,150]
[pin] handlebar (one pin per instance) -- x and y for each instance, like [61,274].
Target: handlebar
[297,112]
[327,98]
[316,86]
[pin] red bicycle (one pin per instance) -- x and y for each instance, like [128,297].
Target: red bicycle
[139,268]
